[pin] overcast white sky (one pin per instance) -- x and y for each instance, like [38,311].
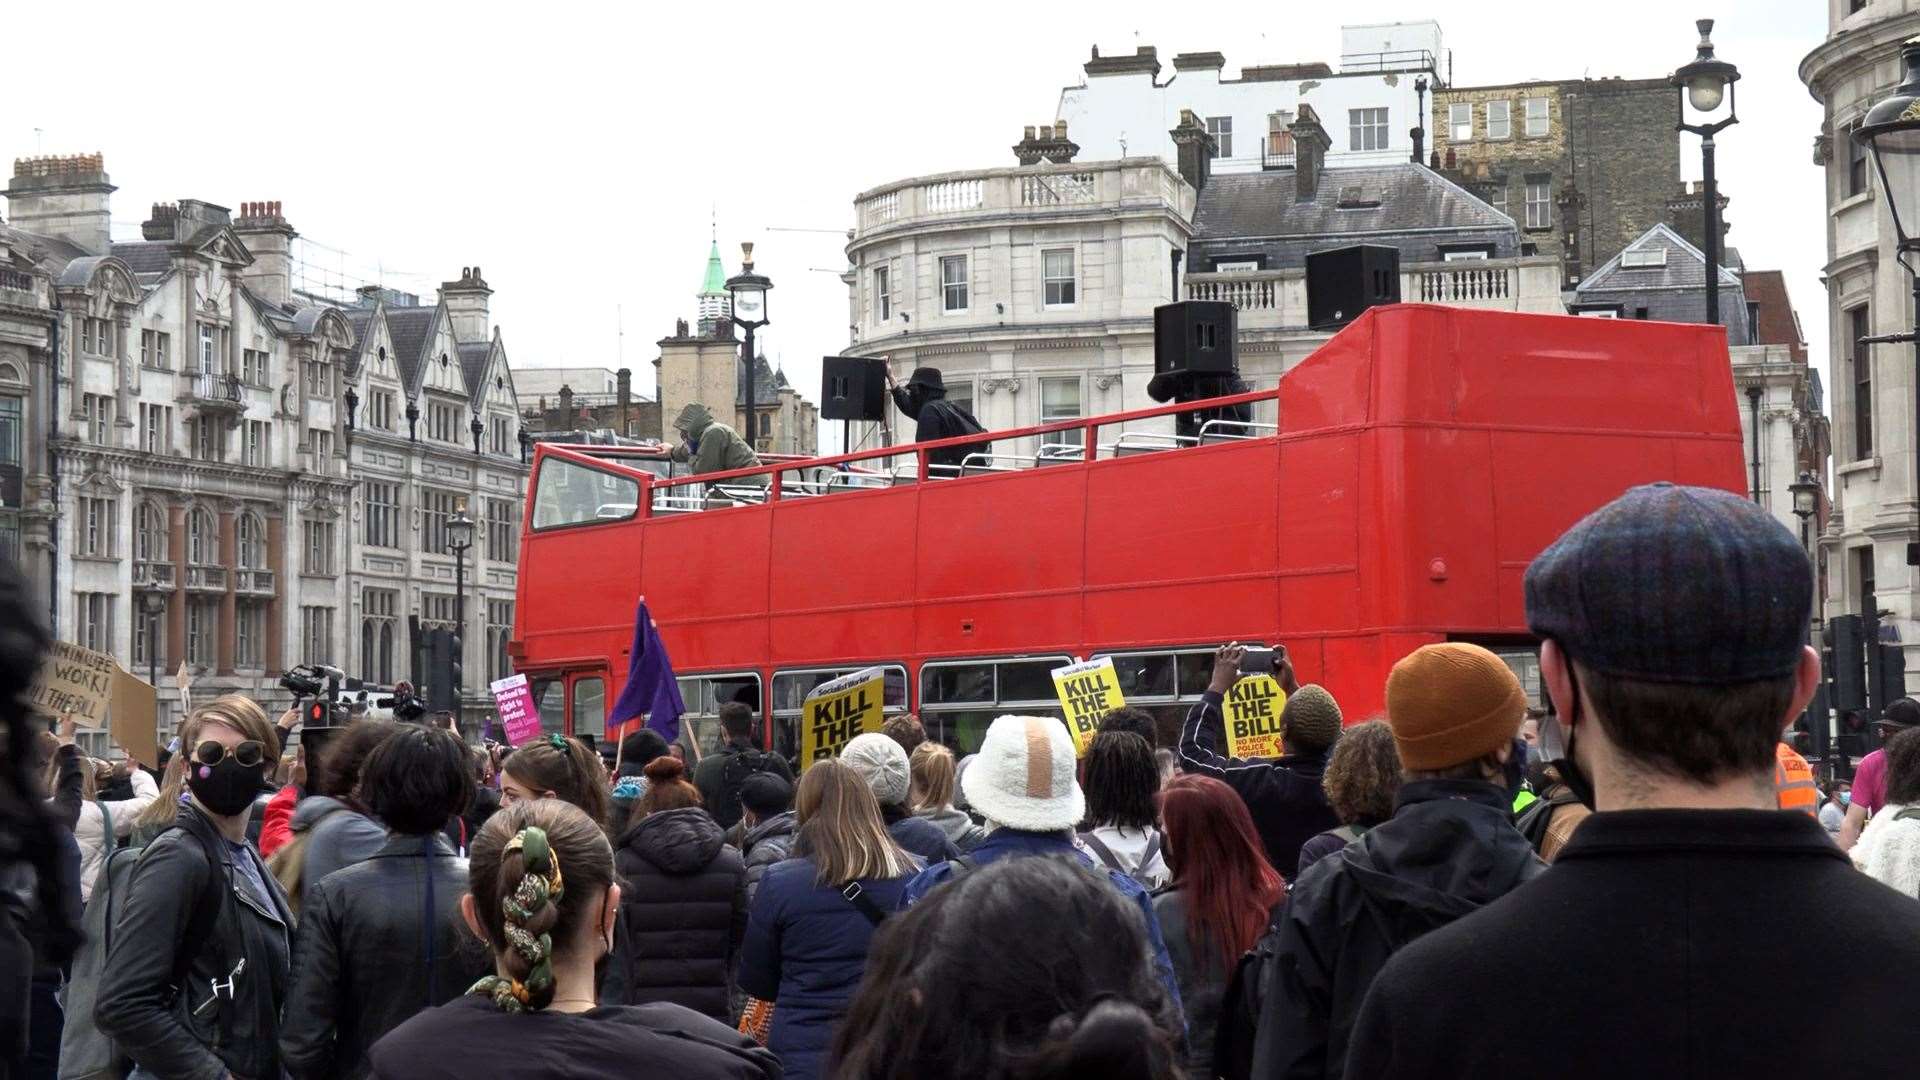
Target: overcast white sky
[575,151]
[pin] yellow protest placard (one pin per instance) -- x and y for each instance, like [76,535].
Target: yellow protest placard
[99,693]
[1253,710]
[836,711]
[1088,690]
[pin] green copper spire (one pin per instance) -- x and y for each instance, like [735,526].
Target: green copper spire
[716,283]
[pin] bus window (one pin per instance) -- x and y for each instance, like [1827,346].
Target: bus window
[959,698]
[590,707]
[549,697]
[1165,684]
[1525,663]
[703,695]
[569,494]
[790,689]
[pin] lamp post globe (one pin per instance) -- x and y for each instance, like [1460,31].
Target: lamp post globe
[1806,496]
[749,294]
[1891,132]
[1706,85]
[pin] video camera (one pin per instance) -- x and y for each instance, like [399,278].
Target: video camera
[406,704]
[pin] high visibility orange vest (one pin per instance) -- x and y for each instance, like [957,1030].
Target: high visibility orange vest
[1793,781]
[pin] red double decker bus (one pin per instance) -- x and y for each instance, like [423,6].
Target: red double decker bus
[1390,493]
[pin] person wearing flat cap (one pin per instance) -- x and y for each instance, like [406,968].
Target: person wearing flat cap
[924,400]
[1449,848]
[1682,918]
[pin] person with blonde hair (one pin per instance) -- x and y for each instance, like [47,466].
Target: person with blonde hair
[544,899]
[197,970]
[814,916]
[931,795]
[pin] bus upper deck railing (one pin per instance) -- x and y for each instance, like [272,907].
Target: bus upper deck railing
[1060,443]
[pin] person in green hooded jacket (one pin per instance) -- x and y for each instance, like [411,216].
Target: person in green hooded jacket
[712,446]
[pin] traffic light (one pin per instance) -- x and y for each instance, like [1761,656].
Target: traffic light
[441,671]
[456,677]
[317,713]
[1889,680]
[1846,635]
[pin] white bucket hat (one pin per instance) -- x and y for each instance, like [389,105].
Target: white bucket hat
[1023,777]
[882,764]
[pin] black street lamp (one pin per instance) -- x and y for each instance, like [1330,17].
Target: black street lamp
[152,603]
[1806,503]
[1707,84]
[459,539]
[749,291]
[1891,131]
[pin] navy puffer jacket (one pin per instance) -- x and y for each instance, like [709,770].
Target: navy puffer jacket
[683,912]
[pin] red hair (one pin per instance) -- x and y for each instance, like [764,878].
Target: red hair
[1218,862]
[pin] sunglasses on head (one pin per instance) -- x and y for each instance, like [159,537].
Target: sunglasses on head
[249,754]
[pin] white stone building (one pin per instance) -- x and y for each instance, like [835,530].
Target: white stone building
[1368,103]
[1876,509]
[181,458]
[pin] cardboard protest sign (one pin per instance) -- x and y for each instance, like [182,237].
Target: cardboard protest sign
[1252,710]
[519,719]
[100,694]
[1088,690]
[836,711]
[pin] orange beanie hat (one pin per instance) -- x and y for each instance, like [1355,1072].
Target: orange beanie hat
[1448,704]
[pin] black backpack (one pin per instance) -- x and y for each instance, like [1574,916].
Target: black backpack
[1534,820]
[1240,1008]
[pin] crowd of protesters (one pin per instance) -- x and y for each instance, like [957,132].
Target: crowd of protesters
[1363,905]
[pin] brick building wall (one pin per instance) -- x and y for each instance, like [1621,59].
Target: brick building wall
[1608,158]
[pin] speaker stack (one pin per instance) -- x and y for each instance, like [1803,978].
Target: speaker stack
[1343,282]
[1195,336]
[853,388]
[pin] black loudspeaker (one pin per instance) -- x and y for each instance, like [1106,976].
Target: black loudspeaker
[1195,336]
[853,388]
[1846,638]
[1343,282]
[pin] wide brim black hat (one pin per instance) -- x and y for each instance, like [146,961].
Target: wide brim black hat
[927,377]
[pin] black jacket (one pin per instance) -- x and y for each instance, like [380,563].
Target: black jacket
[1185,386]
[767,843]
[918,836]
[683,911]
[942,419]
[1202,974]
[720,775]
[225,1015]
[1448,850]
[1283,794]
[379,941]
[470,1038]
[1677,944]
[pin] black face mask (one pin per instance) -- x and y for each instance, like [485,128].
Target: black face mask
[1556,748]
[1516,767]
[225,789]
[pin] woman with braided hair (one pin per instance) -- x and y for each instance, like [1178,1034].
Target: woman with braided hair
[556,767]
[544,900]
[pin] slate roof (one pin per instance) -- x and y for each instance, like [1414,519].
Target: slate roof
[767,384]
[1402,204]
[1686,267]
[146,258]
[1674,292]
[410,328]
[80,270]
[473,365]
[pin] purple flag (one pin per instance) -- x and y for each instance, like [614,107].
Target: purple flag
[651,689]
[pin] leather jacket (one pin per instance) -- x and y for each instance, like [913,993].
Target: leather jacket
[223,1016]
[379,941]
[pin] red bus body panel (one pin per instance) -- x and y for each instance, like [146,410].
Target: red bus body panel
[1425,456]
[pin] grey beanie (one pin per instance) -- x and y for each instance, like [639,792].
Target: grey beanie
[882,764]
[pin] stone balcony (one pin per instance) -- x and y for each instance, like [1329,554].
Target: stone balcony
[207,579]
[253,582]
[1037,190]
[1272,299]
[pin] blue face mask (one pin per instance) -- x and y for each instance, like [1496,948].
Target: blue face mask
[1846,798]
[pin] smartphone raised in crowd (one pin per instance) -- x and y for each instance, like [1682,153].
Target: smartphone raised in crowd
[1257,660]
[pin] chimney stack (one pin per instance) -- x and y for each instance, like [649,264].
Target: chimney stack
[64,197]
[270,240]
[466,302]
[623,393]
[1193,149]
[1050,145]
[1310,144]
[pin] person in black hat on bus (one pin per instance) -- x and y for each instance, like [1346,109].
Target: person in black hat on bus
[924,399]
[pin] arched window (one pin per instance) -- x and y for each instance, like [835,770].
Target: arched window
[386,653]
[251,533]
[149,533]
[369,670]
[203,543]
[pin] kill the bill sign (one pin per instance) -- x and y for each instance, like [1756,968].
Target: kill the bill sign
[838,710]
[1253,710]
[1088,691]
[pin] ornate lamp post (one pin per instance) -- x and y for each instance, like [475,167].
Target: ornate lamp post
[1707,85]
[749,291]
